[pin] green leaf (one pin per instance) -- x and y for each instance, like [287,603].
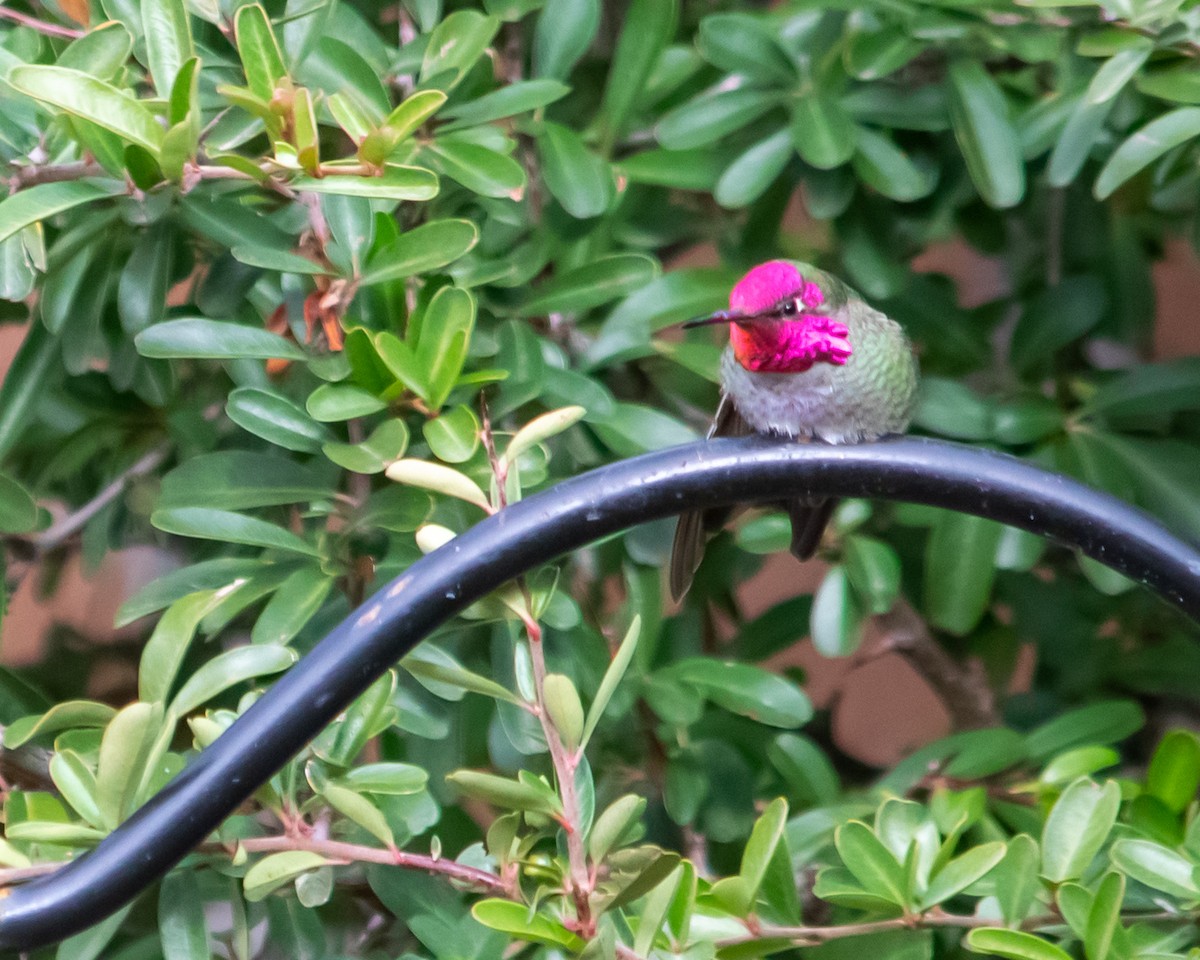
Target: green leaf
[871,863]
[697,169]
[749,176]
[454,46]
[205,575]
[838,618]
[26,378]
[1179,84]
[439,479]
[395,183]
[959,570]
[1106,722]
[102,51]
[1174,772]
[706,118]
[385,779]
[296,601]
[76,783]
[760,848]
[421,250]
[385,445]
[614,824]
[510,794]
[1104,930]
[1055,318]
[1149,388]
[334,402]
[453,437]
[163,654]
[595,283]
[259,50]
[240,479]
[1158,867]
[961,872]
[1016,878]
[516,920]
[1117,71]
[67,715]
[96,101]
[18,510]
[577,178]
[1077,827]
[275,418]
[746,690]
[739,43]
[90,944]
[205,523]
[882,165]
[142,289]
[507,101]
[540,429]
[1145,146]
[168,36]
[181,924]
[565,29]
[1014,944]
[479,169]
[227,670]
[277,869]
[44,200]
[986,137]
[873,570]
[805,768]
[822,131]
[647,28]
[436,670]
[563,708]
[198,338]
[125,751]
[612,678]
[1075,142]
[445,334]
[362,811]
[281,261]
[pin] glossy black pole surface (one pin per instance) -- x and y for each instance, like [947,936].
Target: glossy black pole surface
[535,531]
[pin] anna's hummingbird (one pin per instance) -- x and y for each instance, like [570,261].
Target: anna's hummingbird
[809,359]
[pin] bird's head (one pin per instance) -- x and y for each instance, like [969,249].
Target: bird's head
[780,323]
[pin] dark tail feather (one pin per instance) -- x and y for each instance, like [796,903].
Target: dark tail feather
[686,552]
[809,519]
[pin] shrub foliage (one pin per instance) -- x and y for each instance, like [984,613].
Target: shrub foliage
[312,286]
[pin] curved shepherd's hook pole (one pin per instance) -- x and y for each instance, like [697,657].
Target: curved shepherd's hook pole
[540,529]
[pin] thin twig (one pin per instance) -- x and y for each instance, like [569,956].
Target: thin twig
[333,849]
[62,531]
[41,26]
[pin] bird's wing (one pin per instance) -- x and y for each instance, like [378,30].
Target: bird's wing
[687,550]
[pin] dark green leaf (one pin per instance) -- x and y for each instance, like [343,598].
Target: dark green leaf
[1146,145]
[565,29]
[199,338]
[1014,944]
[705,119]
[749,176]
[647,28]
[822,131]
[206,523]
[986,137]
[1077,827]
[575,176]
[593,284]
[421,250]
[91,99]
[44,200]
[959,571]
[18,511]
[275,418]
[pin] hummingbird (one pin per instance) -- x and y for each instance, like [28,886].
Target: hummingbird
[808,359]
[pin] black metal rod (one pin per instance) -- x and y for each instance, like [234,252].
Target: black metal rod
[540,529]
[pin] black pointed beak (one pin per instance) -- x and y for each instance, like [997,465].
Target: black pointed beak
[721,316]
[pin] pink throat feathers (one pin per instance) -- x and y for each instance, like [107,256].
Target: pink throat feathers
[783,340]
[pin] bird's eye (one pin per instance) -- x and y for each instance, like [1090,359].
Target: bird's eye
[789,308]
